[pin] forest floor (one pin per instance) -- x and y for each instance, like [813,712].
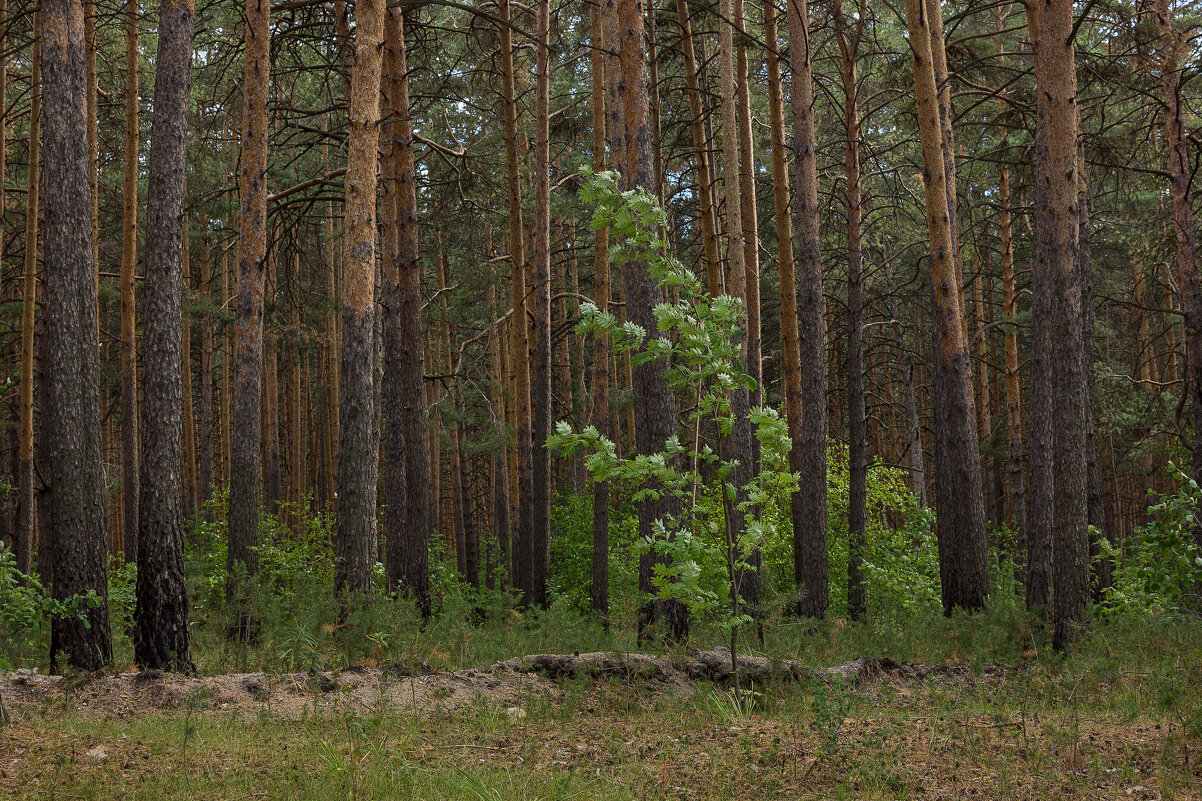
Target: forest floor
[607,726]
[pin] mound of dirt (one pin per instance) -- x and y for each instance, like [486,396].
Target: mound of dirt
[507,684]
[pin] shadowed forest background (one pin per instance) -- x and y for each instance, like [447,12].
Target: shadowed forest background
[420,336]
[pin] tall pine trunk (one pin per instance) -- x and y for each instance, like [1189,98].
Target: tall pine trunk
[356,507]
[808,454]
[960,517]
[76,475]
[245,467]
[129,313]
[161,635]
[406,463]
[27,517]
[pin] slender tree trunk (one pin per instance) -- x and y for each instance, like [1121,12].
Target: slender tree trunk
[161,635]
[738,445]
[1015,489]
[601,291]
[540,380]
[808,455]
[77,503]
[245,466]
[652,395]
[26,528]
[963,558]
[406,462]
[188,461]
[205,451]
[1184,229]
[1101,568]
[129,262]
[523,554]
[709,236]
[857,500]
[270,441]
[356,513]
[1057,250]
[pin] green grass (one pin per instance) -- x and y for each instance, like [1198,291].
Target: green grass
[1122,710]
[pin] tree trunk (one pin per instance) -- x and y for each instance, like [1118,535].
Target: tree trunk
[540,377]
[406,461]
[160,634]
[77,504]
[601,292]
[652,395]
[26,528]
[205,451]
[356,513]
[857,499]
[1185,232]
[185,366]
[519,349]
[709,236]
[245,466]
[808,454]
[963,558]
[1056,256]
[129,315]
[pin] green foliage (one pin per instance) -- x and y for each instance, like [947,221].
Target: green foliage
[572,552]
[27,610]
[706,555]
[1158,569]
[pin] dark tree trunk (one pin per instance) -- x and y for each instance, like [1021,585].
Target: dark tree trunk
[652,395]
[601,354]
[808,455]
[204,480]
[26,524]
[160,632]
[129,316]
[1184,229]
[857,450]
[77,505]
[406,461]
[540,288]
[1056,256]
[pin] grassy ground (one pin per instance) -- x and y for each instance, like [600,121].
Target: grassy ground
[1120,717]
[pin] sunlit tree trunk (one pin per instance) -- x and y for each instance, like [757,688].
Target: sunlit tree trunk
[356,507]
[963,559]
[245,466]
